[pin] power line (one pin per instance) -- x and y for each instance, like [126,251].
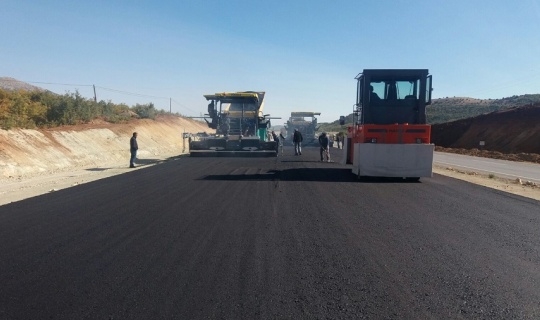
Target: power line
[63,84]
[53,83]
[183,106]
[132,93]
[106,89]
[89,85]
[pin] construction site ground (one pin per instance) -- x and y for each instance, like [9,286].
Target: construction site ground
[34,162]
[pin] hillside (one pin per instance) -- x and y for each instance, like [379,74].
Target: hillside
[515,130]
[450,109]
[11,84]
[25,106]
[26,152]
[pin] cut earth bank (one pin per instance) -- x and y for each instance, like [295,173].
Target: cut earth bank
[98,144]
[34,162]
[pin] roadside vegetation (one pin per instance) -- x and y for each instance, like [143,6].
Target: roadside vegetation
[456,108]
[41,109]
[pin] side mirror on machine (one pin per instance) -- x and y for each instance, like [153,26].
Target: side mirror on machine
[342,120]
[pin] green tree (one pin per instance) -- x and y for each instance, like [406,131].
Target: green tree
[145,110]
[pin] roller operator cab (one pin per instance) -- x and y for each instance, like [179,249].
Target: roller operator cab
[389,136]
[241,127]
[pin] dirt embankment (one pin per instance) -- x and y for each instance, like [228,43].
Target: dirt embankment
[512,134]
[28,152]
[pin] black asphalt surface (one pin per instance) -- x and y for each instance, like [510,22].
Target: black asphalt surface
[269,238]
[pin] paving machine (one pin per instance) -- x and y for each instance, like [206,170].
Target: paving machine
[241,127]
[389,136]
[306,123]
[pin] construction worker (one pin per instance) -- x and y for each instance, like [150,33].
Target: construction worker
[297,140]
[324,142]
[133,147]
[276,139]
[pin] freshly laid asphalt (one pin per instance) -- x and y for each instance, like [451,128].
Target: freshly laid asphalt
[269,238]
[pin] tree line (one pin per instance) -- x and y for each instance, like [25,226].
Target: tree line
[41,109]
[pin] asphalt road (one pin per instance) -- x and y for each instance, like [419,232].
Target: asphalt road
[269,238]
[502,168]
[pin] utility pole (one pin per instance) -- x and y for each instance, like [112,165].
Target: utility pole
[95,97]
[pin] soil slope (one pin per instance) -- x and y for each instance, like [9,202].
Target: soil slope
[511,134]
[26,152]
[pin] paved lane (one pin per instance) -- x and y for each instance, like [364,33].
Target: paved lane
[284,238]
[502,168]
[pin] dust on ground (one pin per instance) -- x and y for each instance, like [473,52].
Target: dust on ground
[514,186]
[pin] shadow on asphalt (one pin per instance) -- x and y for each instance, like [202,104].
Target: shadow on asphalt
[138,162]
[142,162]
[98,169]
[300,161]
[305,174]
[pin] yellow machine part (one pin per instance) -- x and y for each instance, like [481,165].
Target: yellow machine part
[221,95]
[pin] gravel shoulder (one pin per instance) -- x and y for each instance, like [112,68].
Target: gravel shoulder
[494,182]
[14,189]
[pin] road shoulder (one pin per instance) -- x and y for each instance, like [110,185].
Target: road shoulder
[521,188]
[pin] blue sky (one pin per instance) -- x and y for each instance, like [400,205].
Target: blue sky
[304,54]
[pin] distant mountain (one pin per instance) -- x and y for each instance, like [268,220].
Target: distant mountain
[450,109]
[11,84]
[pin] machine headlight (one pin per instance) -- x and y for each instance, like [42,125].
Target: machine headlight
[418,140]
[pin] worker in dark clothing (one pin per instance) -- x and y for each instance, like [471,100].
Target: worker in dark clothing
[325,146]
[133,147]
[372,95]
[274,136]
[276,139]
[297,140]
